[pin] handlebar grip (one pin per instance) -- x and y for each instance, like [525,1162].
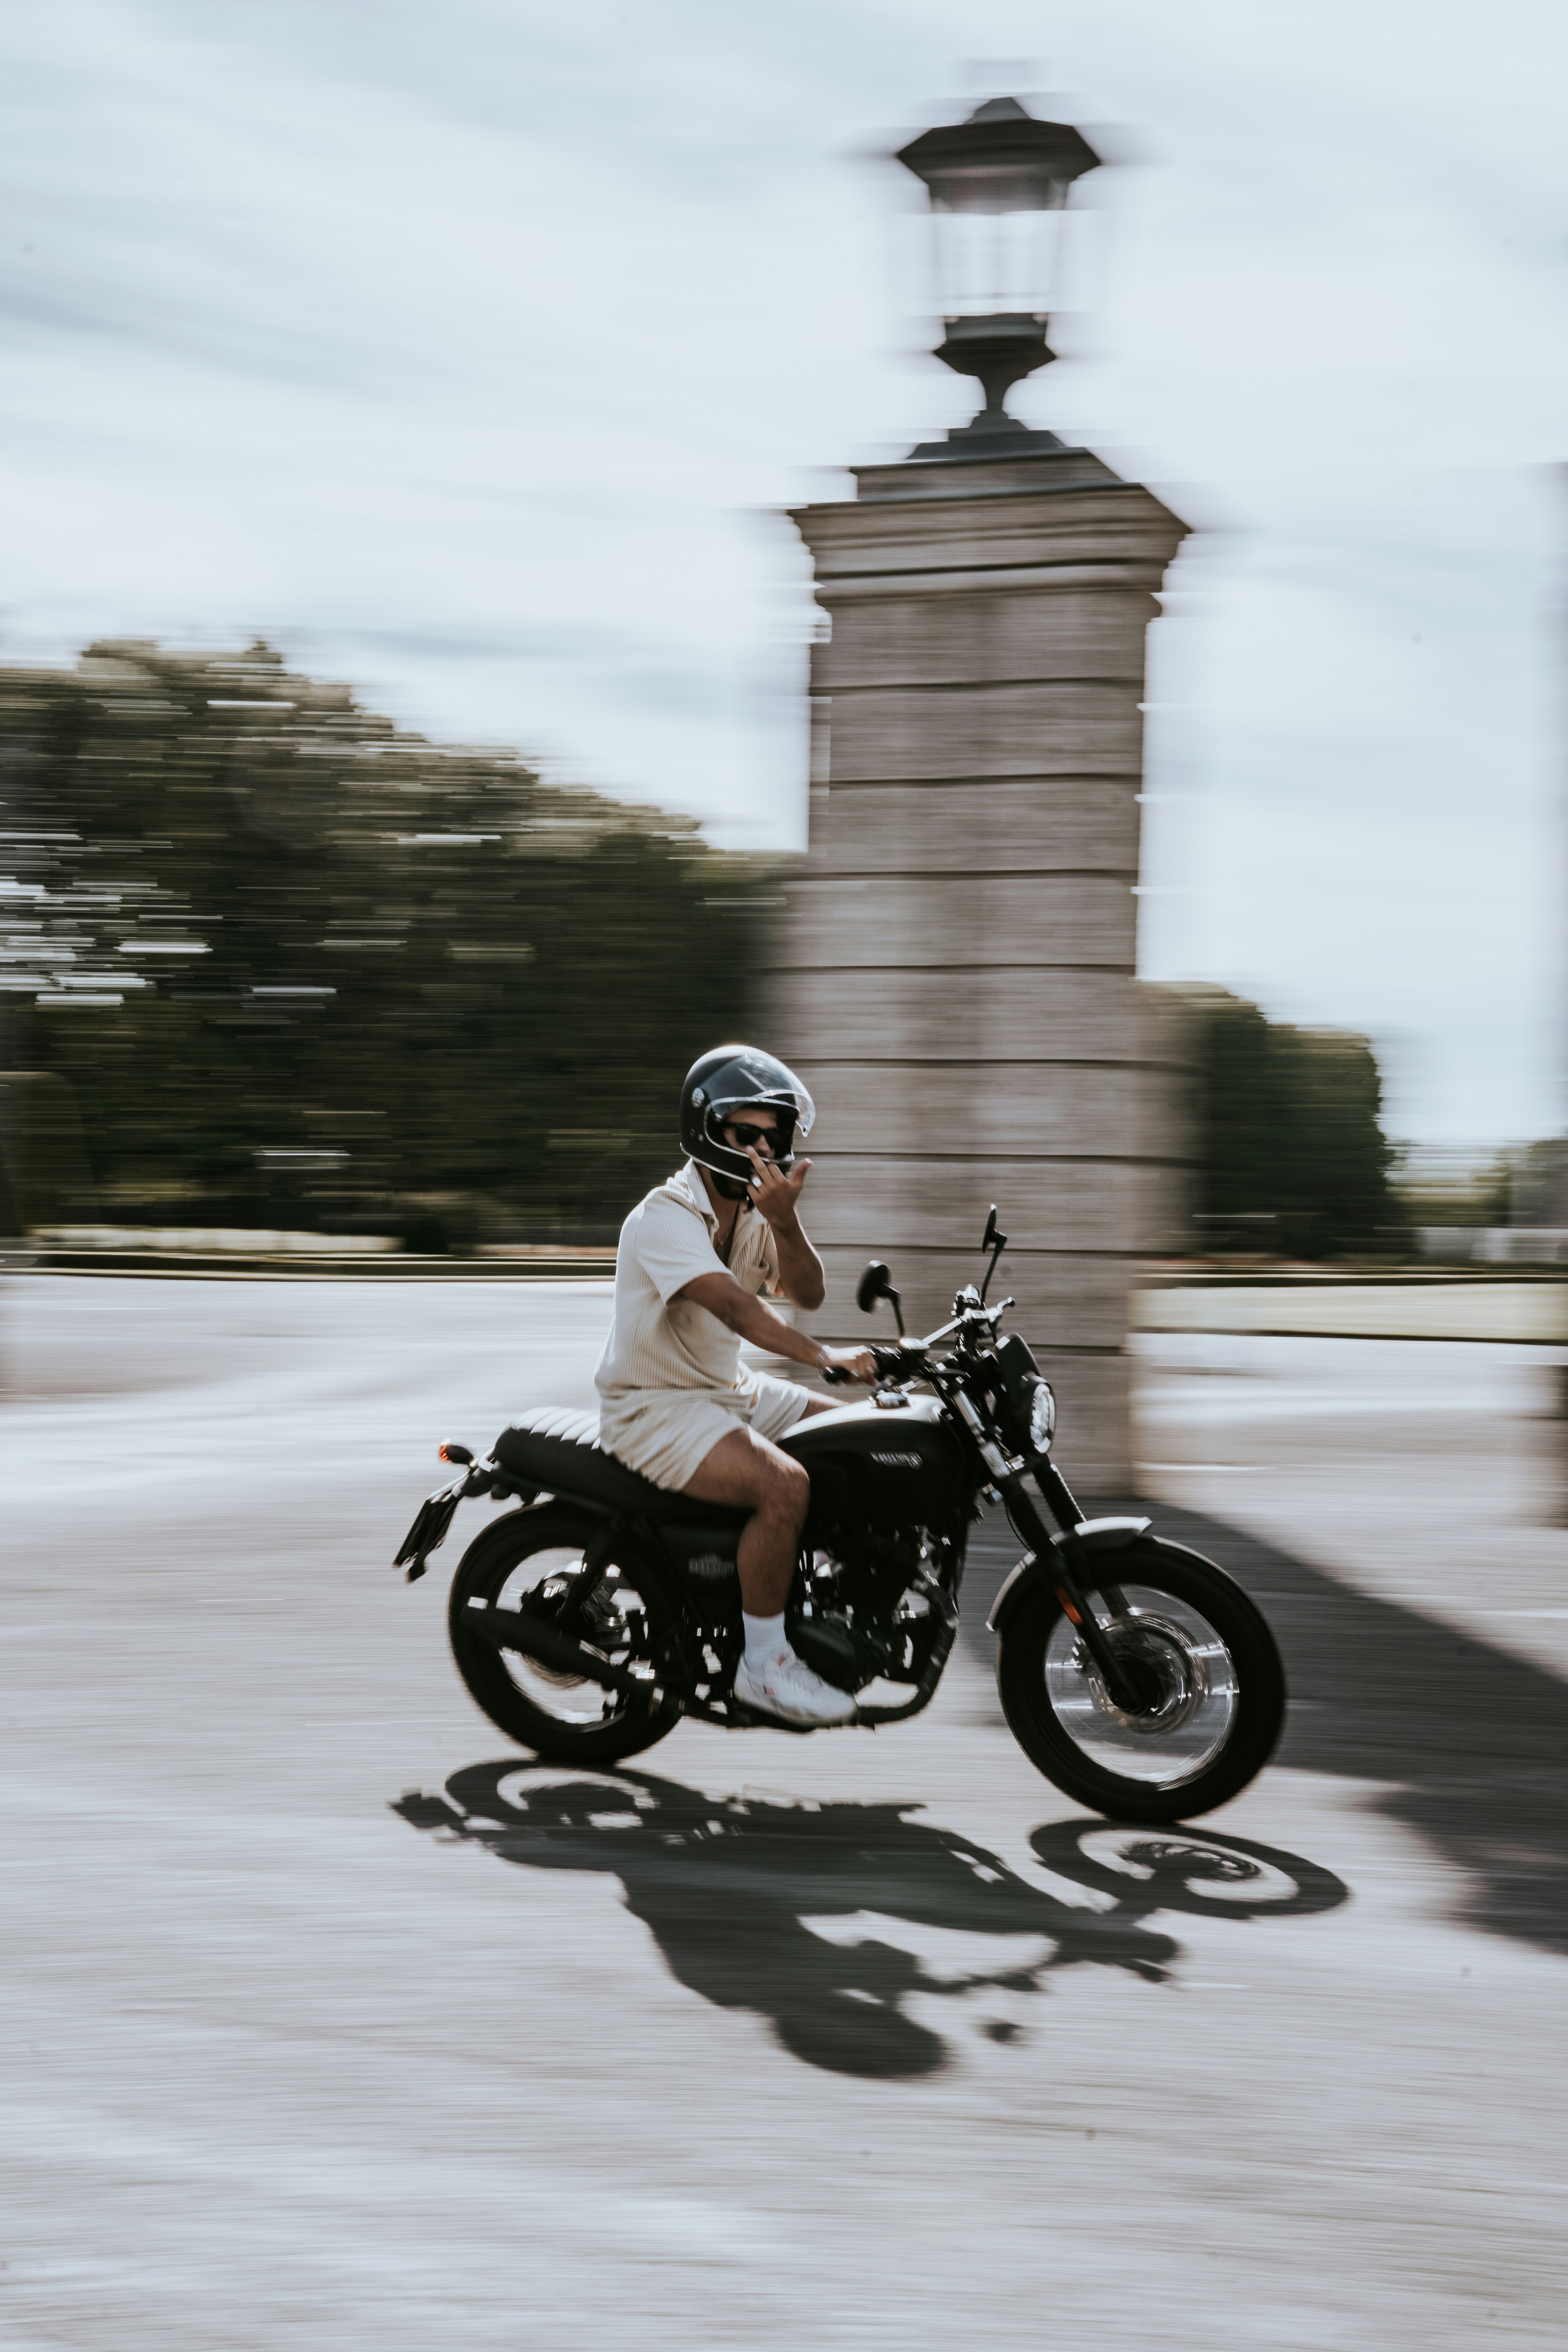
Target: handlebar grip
[836,1376]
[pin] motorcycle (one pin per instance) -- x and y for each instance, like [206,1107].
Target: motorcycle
[1134,1674]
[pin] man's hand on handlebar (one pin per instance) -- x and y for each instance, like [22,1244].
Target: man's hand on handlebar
[839,1366]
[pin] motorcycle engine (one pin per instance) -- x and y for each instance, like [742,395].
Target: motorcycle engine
[865,1612]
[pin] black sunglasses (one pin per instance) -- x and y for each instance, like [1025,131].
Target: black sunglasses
[745,1136]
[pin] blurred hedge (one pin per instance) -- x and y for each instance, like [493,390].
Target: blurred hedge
[301,968]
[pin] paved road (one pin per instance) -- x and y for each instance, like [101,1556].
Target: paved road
[332,2024]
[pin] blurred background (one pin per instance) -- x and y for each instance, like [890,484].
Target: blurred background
[398,417]
[405,727]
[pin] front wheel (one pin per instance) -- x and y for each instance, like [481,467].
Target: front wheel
[1212,1687]
[535,1558]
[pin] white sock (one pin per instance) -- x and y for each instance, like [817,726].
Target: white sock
[765,1638]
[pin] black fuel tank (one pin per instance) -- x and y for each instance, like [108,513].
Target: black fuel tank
[881,1469]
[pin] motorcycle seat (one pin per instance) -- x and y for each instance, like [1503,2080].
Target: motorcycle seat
[560,1451]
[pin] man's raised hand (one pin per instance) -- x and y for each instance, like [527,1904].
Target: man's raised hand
[774,1194]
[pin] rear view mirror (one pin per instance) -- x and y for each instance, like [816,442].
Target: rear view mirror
[996,1240]
[875,1284]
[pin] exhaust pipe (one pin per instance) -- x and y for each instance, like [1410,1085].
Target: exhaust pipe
[534,1637]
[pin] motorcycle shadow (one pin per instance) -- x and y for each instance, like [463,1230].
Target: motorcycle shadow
[728,1887]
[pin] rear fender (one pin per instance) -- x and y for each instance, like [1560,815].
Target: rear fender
[1077,1549]
[428,1532]
[435,1513]
[579,1524]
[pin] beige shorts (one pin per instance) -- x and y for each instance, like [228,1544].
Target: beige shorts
[669,1433]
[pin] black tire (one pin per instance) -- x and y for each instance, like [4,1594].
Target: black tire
[502,1558]
[1047,1688]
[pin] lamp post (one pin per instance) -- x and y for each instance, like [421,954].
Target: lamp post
[956,964]
[998,186]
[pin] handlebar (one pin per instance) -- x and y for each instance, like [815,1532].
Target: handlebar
[912,1359]
[891,1363]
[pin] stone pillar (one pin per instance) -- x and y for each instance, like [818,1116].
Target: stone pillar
[955,972]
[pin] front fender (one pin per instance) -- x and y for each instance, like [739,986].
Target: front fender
[1079,1544]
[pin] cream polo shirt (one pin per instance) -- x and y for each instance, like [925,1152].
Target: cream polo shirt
[660,1342]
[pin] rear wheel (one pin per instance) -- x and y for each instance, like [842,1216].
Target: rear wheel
[1211,1687]
[535,1559]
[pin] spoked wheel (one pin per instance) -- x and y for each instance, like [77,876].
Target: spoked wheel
[533,1559]
[1209,1688]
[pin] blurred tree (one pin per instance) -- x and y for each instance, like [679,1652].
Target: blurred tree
[301,967]
[1291,1158]
[1450,1186]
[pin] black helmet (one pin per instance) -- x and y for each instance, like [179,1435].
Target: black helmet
[717,1084]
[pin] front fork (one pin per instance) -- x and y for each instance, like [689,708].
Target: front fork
[1027,1524]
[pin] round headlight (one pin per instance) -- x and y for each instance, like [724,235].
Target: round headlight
[1042,1418]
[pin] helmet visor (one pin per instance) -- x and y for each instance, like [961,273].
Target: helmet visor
[754,1077]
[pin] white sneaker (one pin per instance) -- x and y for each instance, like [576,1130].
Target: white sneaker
[787,1686]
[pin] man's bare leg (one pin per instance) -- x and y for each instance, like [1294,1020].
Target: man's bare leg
[753,1475]
[751,1472]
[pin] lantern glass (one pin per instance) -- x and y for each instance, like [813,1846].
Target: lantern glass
[995,257]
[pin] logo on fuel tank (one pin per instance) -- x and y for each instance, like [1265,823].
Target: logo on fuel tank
[711,1564]
[897,1461]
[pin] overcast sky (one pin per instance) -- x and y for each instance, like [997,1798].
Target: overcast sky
[470,352]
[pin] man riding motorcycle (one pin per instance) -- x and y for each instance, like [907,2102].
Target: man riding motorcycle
[675,1403]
